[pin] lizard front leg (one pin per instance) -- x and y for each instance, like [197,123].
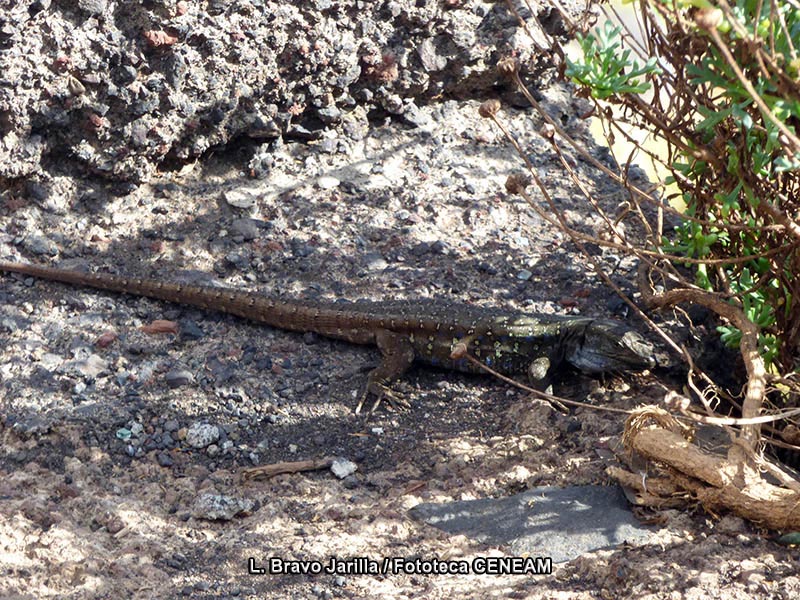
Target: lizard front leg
[397,356]
[540,373]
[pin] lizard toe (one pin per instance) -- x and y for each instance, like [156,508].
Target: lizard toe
[382,393]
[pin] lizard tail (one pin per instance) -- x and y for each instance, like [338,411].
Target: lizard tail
[278,312]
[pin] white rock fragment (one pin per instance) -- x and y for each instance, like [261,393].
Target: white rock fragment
[240,198]
[341,467]
[326,182]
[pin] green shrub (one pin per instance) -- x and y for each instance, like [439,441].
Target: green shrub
[726,100]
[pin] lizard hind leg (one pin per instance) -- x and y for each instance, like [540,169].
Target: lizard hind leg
[397,356]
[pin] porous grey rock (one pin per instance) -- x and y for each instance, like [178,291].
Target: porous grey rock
[118,87]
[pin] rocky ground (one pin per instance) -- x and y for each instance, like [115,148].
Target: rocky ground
[126,442]
[124,451]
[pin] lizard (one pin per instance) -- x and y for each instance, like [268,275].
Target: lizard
[510,342]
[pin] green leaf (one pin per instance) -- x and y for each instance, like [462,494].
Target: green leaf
[712,118]
[742,116]
[783,163]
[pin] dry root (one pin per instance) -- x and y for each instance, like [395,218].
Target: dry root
[686,472]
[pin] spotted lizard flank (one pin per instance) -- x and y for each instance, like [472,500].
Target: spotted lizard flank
[511,342]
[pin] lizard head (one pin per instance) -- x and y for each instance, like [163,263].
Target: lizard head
[609,346]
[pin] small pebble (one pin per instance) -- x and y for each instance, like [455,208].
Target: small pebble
[218,507]
[240,198]
[524,275]
[201,435]
[342,467]
[178,378]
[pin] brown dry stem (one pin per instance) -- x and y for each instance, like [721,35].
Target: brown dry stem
[281,468]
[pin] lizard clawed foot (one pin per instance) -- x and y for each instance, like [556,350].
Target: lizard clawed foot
[381,393]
